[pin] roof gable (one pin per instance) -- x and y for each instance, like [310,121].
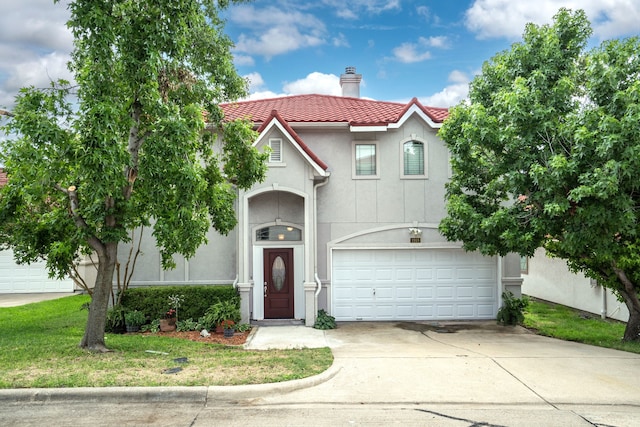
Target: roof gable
[276,120]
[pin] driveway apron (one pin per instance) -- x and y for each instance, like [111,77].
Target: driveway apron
[471,363]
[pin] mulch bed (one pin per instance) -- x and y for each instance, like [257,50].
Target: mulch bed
[238,338]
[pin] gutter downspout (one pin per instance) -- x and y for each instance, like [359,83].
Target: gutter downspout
[603,312]
[324,182]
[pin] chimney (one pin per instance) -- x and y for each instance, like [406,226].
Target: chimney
[350,82]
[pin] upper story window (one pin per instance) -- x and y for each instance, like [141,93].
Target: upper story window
[414,159]
[366,161]
[276,150]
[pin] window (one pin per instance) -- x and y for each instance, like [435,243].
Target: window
[365,160]
[276,150]
[279,233]
[524,265]
[413,158]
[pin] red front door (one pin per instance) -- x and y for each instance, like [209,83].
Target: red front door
[278,283]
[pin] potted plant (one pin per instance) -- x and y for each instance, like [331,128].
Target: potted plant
[219,312]
[168,321]
[133,320]
[228,328]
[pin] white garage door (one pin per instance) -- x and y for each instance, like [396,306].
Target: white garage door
[424,284]
[15,279]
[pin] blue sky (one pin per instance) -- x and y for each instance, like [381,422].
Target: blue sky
[403,48]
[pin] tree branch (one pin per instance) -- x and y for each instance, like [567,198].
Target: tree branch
[93,241]
[6,113]
[135,142]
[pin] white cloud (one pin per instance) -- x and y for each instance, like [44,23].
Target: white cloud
[353,8]
[340,41]
[243,60]
[507,18]
[271,31]
[256,82]
[34,45]
[453,93]
[409,53]
[441,42]
[424,11]
[316,82]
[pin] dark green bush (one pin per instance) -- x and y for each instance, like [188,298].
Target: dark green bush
[153,301]
[512,310]
[325,320]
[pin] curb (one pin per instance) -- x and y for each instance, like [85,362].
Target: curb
[197,394]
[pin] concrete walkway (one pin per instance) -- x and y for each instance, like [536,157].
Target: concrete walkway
[14,300]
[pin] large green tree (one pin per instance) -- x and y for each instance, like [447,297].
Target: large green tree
[546,153]
[143,142]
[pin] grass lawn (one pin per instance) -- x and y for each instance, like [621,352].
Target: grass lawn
[39,348]
[568,324]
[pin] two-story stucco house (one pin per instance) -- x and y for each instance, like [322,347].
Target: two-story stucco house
[346,220]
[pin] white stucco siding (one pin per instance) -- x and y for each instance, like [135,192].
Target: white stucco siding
[550,279]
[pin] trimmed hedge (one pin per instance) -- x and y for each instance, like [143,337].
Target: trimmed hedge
[153,301]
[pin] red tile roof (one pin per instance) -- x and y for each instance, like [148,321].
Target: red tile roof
[328,109]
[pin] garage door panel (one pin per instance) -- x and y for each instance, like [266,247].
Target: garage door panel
[427,284]
[443,274]
[424,274]
[406,274]
[485,292]
[465,292]
[485,310]
[444,311]
[445,292]
[404,293]
[384,293]
[465,311]
[425,292]
[424,312]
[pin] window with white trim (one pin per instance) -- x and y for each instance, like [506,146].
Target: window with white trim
[276,150]
[366,160]
[413,158]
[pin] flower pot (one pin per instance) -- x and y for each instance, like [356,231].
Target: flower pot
[132,328]
[167,325]
[228,333]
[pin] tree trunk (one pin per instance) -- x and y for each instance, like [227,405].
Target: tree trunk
[93,338]
[629,293]
[632,331]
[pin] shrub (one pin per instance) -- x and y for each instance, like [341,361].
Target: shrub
[134,318]
[324,321]
[154,300]
[187,325]
[221,311]
[115,320]
[511,312]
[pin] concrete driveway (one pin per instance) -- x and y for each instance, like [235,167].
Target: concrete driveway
[476,365]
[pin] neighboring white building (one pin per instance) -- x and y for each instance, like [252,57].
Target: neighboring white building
[346,219]
[550,279]
[28,278]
